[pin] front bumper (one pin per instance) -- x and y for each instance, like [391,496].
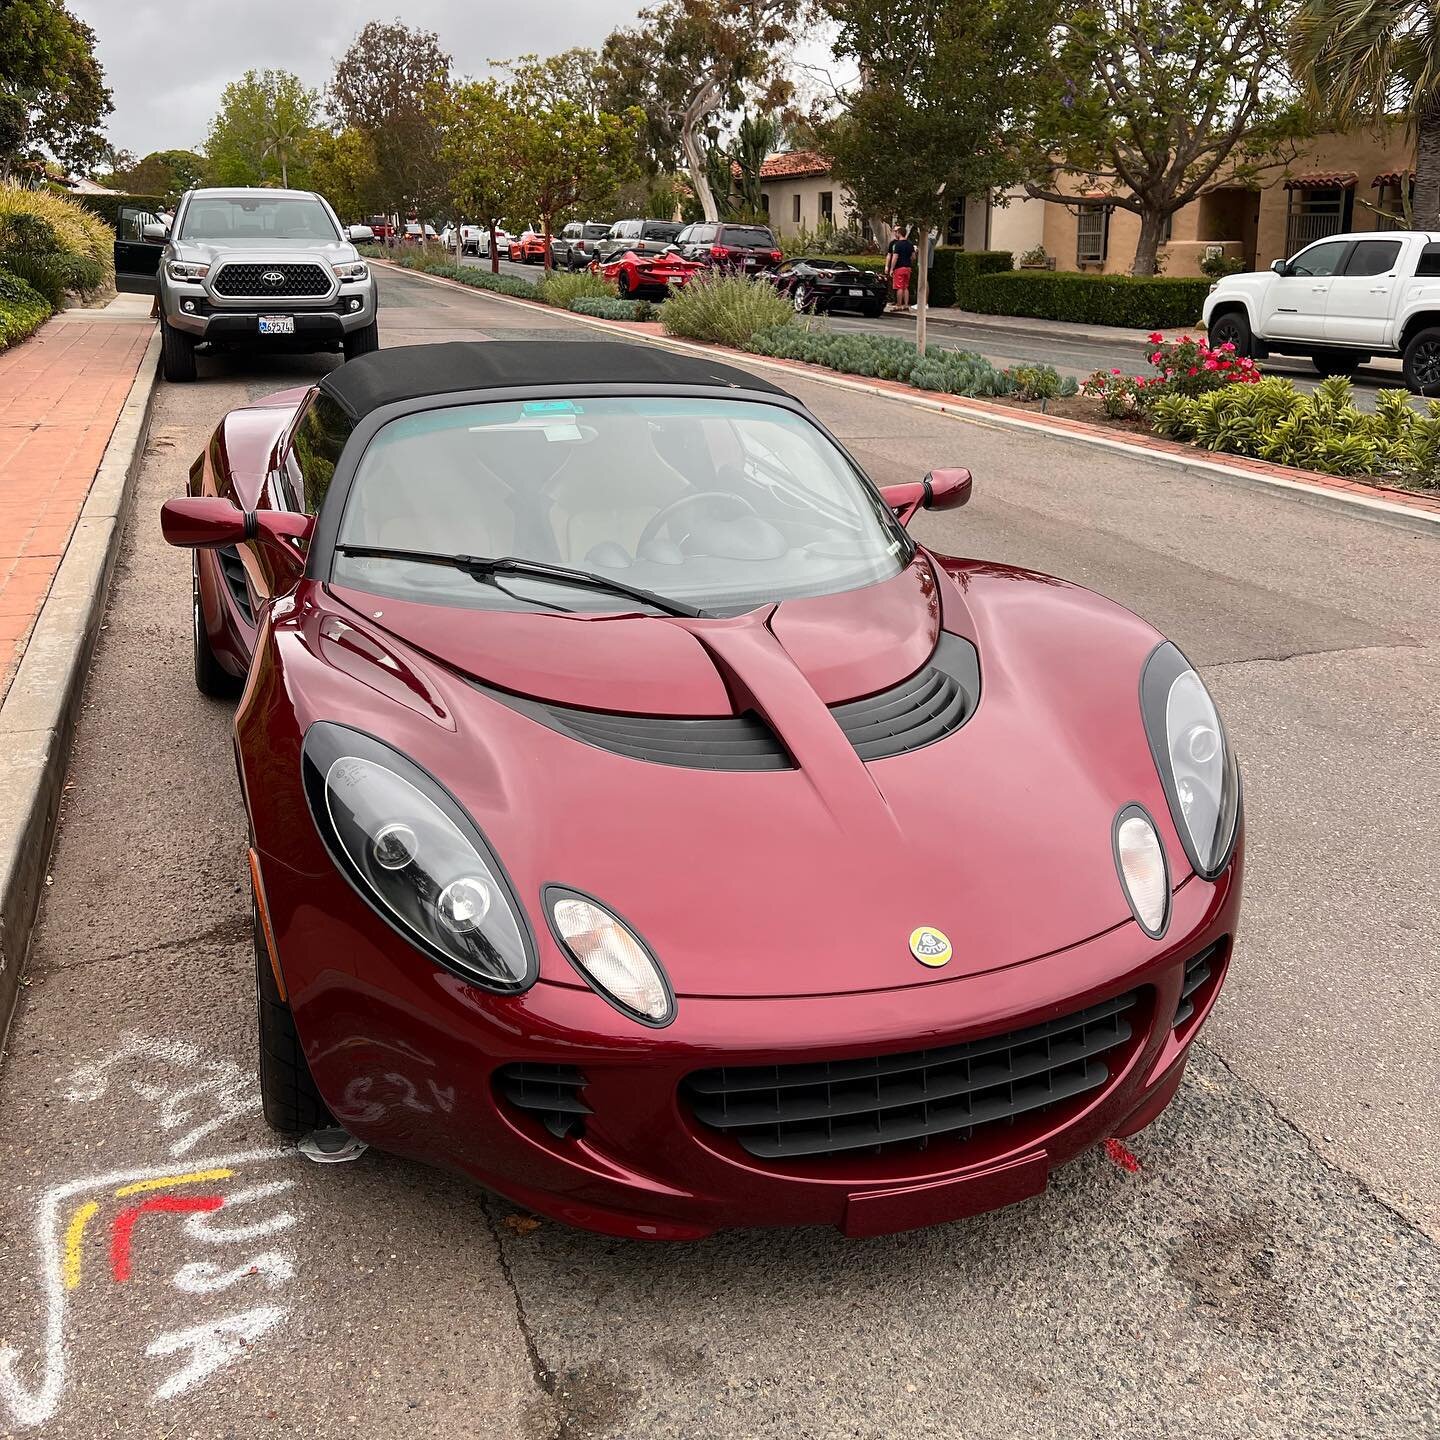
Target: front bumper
[406,1056]
[215,319]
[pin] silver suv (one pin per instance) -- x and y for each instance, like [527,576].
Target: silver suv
[262,268]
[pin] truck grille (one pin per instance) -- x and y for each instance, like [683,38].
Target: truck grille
[837,1107]
[276,281]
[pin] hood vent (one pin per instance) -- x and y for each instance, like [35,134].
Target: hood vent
[930,705]
[727,742]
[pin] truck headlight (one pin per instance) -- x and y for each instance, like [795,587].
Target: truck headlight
[352,270]
[186,271]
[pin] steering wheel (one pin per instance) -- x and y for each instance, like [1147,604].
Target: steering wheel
[667,513]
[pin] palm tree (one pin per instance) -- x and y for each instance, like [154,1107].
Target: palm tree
[1368,59]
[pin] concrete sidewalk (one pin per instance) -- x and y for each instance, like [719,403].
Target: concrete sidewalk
[60,395]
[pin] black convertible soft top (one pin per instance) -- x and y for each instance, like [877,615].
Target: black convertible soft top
[409,372]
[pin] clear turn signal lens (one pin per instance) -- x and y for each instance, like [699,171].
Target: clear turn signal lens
[1144,876]
[611,958]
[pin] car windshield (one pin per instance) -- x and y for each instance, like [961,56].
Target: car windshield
[720,504]
[234,217]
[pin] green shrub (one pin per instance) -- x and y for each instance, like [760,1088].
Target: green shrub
[954,270]
[22,309]
[75,230]
[55,275]
[1139,303]
[614,309]
[724,309]
[887,357]
[434,262]
[825,239]
[1324,431]
[107,207]
[561,287]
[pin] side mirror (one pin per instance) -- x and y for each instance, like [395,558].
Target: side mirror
[154,232]
[360,233]
[939,490]
[1280,267]
[207,522]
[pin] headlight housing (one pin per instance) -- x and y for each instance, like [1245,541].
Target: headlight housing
[1143,870]
[352,270]
[186,271]
[416,858]
[611,957]
[1194,758]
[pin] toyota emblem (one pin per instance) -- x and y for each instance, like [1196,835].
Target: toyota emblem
[273,278]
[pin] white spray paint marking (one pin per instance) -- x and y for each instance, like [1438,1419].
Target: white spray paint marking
[204,1277]
[211,1346]
[203,1227]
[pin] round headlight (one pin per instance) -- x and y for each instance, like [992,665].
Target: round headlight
[1194,758]
[610,956]
[1144,875]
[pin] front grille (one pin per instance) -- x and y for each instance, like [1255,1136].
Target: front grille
[233,573]
[551,1093]
[249,282]
[1198,973]
[918,711]
[837,1107]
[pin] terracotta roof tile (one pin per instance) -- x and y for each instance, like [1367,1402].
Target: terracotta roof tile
[1323,180]
[794,165]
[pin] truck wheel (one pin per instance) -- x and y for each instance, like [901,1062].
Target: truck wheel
[1338,362]
[1233,328]
[1422,362]
[290,1100]
[363,341]
[177,353]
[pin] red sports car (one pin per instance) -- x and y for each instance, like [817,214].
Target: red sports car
[636,276]
[528,248]
[643,823]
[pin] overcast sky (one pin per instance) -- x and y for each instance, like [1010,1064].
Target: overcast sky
[167,61]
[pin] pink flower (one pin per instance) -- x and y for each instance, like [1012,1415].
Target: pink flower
[1193,370]
[1212,364]
[1156,358]
[1114,372]
[1157,338]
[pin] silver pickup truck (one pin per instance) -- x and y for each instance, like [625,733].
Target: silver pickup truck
[1341,301]
[262,268]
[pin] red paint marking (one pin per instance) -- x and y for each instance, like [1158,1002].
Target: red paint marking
[168,1204]
[1119,1154]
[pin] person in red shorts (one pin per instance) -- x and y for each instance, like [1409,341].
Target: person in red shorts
[899,258]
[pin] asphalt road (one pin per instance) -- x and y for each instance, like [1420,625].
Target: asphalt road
[1044,345]
[1271,1270]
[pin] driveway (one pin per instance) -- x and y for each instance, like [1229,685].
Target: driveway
[1269,1270]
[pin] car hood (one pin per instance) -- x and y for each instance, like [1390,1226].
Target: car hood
[793,881]
[259,248]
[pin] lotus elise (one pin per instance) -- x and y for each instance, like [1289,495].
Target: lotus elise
[643,823]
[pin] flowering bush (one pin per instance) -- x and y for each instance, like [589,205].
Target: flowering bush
[1186,367]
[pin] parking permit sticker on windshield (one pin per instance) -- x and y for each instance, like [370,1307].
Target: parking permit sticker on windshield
[551,407]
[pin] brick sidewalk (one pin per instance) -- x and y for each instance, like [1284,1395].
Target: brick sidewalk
[60,394]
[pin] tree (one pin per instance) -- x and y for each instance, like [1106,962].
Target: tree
[265,120]
[342,169]
[1154,101]
[390,85]
[478,152]
[53,95]
[690,59]
[168,173]
[1363,60]
[940,83]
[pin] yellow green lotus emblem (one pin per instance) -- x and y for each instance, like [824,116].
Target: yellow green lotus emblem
[930,946]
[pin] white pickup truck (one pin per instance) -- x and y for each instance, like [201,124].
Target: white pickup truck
[1341,301]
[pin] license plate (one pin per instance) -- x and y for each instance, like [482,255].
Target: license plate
[857,292]
[277,324]
[676,280]
[751,263]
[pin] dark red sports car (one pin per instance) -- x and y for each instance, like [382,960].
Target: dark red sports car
[645,825]
[638,276]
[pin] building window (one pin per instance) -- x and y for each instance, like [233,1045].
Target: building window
[827,207]
[765,201]
[1313,213]
[955,224]
[1092,234]
[795,208]
[1391,203]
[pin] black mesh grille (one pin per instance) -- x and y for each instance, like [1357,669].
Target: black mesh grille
[1198,973]
[233,573]
[729,742]
[261,282]
[781,1112]
[918,711]
[551,1093]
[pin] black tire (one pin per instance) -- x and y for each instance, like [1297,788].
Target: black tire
[362,342]
[291,1102]
[177,354]
[801,300]
[1337,362]
[1422,362]
[874,311]
[1233,328]
[211,677]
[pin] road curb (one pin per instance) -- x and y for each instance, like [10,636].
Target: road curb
[37,719]
[1199,465]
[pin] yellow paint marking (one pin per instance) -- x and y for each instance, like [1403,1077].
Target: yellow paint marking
[164,1182]
[74,1236]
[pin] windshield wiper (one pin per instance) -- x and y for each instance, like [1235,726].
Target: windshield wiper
[483,568]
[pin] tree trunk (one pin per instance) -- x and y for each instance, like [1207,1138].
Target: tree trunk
[494,251]
[1147,250]
[545,230]
[922,287]
[702,102]
[1427,170]
[284,173]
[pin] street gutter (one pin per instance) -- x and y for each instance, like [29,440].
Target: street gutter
[1329,493]
[40,710]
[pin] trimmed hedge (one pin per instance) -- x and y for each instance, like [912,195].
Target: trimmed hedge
[23,310]
[1127,301]
[435,263]
[107,207]
[610,308]
[954,270]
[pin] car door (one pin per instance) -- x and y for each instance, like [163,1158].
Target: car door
[1358,309]
[137,258]
[1297,300]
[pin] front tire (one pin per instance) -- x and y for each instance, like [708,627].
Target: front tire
[1337,362]
[1422,362]
[288,1095]
[1233,328]
[177,353]
[363,341]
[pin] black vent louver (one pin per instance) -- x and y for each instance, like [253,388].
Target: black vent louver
[1198,971]
[728,742]
[233,573]
[551,1093]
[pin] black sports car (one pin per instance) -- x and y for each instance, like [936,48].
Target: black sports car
[824,283]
